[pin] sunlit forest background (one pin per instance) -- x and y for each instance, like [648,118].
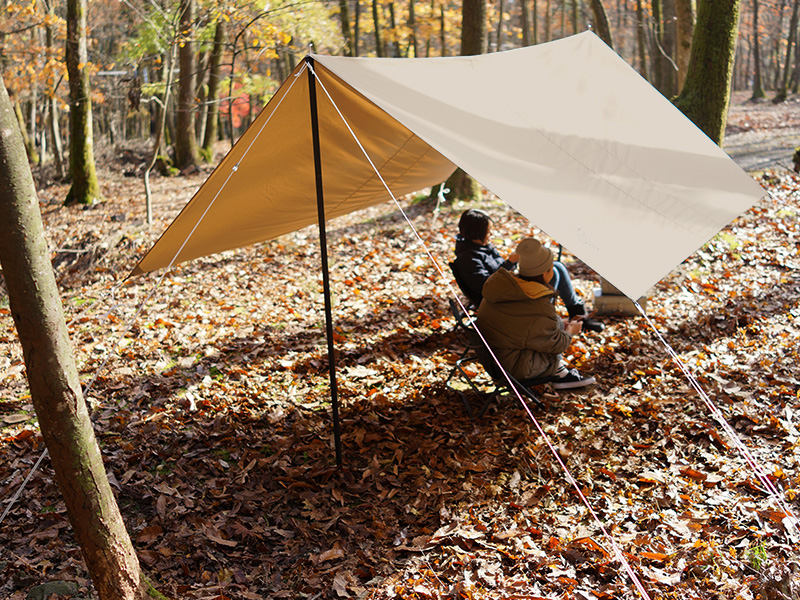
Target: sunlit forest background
[243,50]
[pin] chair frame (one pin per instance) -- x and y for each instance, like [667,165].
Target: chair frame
[476,350]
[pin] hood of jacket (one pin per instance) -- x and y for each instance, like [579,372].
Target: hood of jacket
[504,287]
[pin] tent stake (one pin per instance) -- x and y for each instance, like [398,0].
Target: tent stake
[323,244]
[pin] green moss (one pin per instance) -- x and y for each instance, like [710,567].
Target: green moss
[151,591]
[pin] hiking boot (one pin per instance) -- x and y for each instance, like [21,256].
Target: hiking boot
[579,310]
[572,380]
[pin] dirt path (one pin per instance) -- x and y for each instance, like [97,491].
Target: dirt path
[762,135]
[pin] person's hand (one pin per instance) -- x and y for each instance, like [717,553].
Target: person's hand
[513,257]
[574,326]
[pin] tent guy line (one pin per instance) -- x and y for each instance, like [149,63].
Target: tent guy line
[790,522]
[131,322]
[740,446]
[620,556]
[234,169]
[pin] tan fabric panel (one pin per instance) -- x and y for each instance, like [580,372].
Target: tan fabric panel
[265,187]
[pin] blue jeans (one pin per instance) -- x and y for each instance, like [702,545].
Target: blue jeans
[563,284]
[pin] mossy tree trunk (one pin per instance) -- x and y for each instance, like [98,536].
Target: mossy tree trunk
[53,378]
[187,151]
[82,171]
[706,93]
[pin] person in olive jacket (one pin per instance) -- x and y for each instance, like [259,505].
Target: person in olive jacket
[520,323]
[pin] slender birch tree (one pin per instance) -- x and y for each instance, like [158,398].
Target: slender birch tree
[53,378]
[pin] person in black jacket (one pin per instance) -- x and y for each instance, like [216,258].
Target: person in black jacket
[476,259]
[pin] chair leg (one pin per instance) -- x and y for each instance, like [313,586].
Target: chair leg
[487,396]
[529,393]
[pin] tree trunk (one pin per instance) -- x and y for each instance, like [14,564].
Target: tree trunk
[576,19]
[793,82]
[412,27]
[356,27]
[442,30]
[201,96]
[499,38]
[684,12]
[706,93]
[758,87]
[169,67]
[535,22]
[775,55]
[55,135]
[344,16]
[601,26]
[526,23]
[664,68]
[187,154]
[53,378]
[473,41]
[473,27]
[783,90]
[641,38]
[395,37]
[52,102]
[30,144]
[211,133]
[547,21]
[377,23]
[85,188]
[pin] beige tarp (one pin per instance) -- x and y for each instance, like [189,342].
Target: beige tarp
[567,133]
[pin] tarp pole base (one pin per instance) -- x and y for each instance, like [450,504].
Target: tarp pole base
[323,244]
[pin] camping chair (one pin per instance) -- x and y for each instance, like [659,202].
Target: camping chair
[477,351]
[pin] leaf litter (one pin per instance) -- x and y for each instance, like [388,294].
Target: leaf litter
[213,414]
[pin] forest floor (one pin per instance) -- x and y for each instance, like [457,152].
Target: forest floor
[211,405]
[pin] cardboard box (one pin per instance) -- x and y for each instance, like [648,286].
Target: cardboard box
[609,289]
[616,304]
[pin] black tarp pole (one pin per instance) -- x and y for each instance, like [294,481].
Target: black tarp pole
[323,245]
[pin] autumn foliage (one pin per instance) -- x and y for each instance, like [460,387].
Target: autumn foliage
[211,406]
